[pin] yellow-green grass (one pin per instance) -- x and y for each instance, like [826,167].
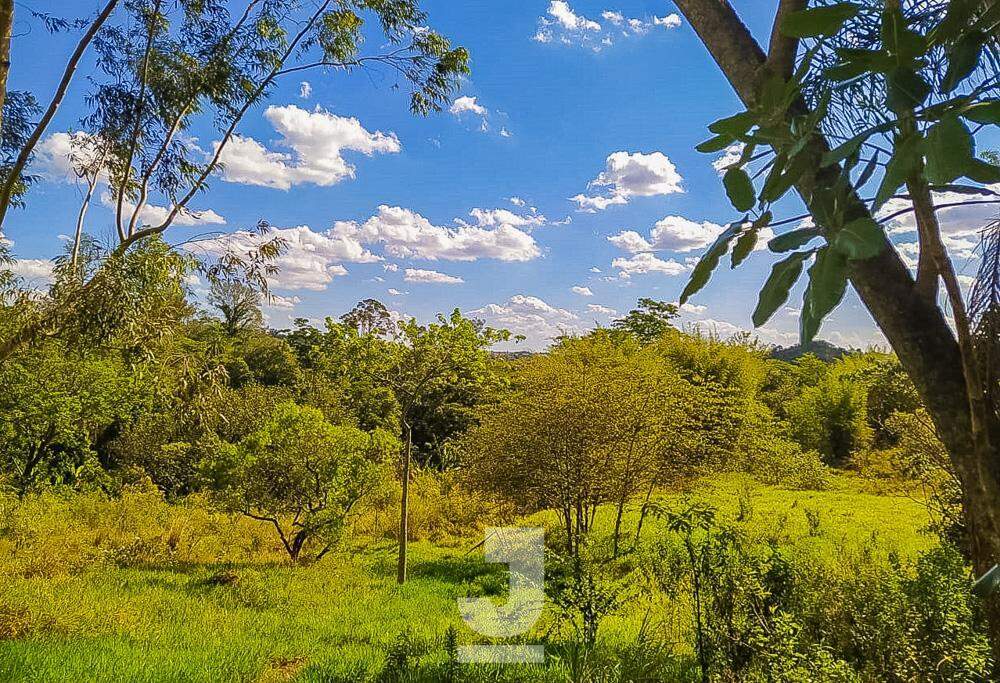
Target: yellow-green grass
[336,620]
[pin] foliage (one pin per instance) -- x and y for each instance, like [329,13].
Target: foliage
[304,476]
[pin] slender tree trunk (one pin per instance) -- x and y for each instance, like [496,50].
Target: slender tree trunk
[404,506]
[915,327]
[6,29]
[618,522]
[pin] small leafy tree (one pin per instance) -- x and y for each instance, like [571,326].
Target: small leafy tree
[304,476]
[649,321]
[238,303]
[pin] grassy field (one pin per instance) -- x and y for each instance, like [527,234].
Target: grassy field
[340,619]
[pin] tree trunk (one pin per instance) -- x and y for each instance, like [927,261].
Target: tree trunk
[404,506]
[6,29]
[915,327]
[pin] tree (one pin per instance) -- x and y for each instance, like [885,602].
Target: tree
[238,304]
[369,317]
[304,476]
[165,66]
[54,405]
[649,321]
[792,99]
[446,353]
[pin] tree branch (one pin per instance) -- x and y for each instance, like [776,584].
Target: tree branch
[782,49]
[29,146]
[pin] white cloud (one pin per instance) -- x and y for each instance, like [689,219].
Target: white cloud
[669,21]
[730,155]
[628,175]
[467,104]
[317,141]
[691,308]
[676,233]
[390,267]
[641,264]
[582,291]
[152,214]
[564,15]
[538,321]
[311,259]
[286,303]
[305,90]
[960,225]
[407,234]
[516,201]
[595,269]
[616,18]
[496,217]
[59,155]
[431,277]
[394,292]
[33,270]
[504,133]
[603,310]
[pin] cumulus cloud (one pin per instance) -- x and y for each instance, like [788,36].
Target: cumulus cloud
[407,234]
[516,201]
[641,264]
[286,303]
[431,277]
[152,214]
[532,317]
[311,259]
[730,155]
[582,291]
[34,271]
[317,141]
[562,24]
[497,217]
[305,90]
[628,175]
[467,104]
[676,233]
[603,310]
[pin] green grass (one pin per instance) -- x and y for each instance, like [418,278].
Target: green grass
[336,621]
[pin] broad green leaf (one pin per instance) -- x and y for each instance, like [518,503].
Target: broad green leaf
[987,111]
[897,37]
[827,284]
[860,239]
[748,240]
[716,144]
[819,21]
[904,159]
[734,126]
[905,89]
[784,274]
[794,239]
[982,172]
[854,62]
[739,189]
[962,59]
[710,259]
[949,148]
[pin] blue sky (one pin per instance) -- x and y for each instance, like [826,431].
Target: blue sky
[561,95]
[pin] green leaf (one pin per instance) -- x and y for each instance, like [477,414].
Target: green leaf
[860,239]
[904,159]
[956,21]
[818,21]
[794,239]
[962,59]
[949,149]
[716,144]
[855,62]
[841,152]
[784,274]
[868,171]
[987,111]
[739,189]
[748,240]
[906,89]
[734,126]
[982,172]
[710,259]
[827,284]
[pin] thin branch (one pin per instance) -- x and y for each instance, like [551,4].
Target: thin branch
[782,49]
[29,146]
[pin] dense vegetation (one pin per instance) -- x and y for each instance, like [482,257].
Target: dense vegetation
[186,494]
